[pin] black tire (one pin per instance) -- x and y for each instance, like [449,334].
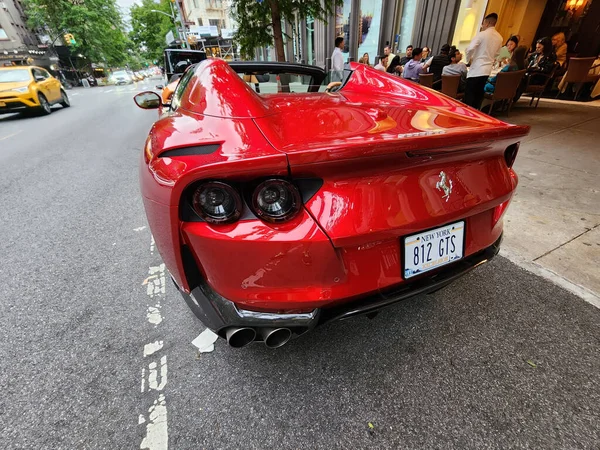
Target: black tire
[45,107]
[65,102]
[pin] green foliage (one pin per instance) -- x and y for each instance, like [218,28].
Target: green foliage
[96,26]
[149,28]
[255,20]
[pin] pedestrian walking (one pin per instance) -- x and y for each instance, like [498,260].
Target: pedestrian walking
[481,53]
[337,60]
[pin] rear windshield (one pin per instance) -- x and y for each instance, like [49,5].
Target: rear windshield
[268,83]
[264,82]
[16,75]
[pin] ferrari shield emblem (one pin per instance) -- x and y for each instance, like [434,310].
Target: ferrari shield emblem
[445,185]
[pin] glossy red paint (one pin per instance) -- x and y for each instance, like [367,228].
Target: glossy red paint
[379,145]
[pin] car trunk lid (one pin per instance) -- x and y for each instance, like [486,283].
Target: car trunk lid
[387,164]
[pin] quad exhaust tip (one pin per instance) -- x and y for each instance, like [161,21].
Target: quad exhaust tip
[276,337]
[240,337]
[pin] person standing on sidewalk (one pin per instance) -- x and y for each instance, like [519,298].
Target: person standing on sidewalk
[481,53]
[337,60]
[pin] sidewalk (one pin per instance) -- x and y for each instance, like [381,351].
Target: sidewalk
[553,223]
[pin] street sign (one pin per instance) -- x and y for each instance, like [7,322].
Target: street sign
[227,33]
[204,31]
[170,38]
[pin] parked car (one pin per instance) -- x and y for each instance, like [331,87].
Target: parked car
[30,88]
[275,213]
[121,77]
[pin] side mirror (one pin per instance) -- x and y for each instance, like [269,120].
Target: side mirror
[147,100]
[159,87]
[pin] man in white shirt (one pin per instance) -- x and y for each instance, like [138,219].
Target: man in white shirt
[481,53]
[337,60]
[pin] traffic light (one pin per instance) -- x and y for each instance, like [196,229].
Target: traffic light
[69,39]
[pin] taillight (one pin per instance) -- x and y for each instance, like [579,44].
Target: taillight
[510,154]
[217,202]
[276,200]
[499,212]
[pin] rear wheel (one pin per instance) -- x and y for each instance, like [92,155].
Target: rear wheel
[44,108]
[64,99]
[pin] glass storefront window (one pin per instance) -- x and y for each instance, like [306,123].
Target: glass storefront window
[342,25]
[369,25]
[470,16]
[310,40]
[409,10]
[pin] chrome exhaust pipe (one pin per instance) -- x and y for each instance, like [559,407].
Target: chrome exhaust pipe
[240,337]
[275,337]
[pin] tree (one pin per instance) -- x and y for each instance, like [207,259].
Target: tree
[259,22]
[96,25]
[149,28]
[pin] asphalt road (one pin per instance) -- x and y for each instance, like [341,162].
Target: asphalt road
[95,345]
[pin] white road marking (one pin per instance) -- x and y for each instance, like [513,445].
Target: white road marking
[140,228]
[152,244]
[157,437]
[109,90]
[153,378]
[158,284]
[153,315]
[10,135]
[153,347]
[155,420]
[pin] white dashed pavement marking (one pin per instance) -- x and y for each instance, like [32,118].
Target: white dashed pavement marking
[155,370]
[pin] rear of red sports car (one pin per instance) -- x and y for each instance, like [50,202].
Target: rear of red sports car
[278,212]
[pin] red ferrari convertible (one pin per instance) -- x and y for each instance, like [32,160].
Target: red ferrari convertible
[279,203]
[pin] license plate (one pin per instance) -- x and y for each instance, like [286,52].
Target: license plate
[434,248]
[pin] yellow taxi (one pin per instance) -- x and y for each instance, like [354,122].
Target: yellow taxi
[30,88]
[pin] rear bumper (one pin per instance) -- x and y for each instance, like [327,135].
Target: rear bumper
[219,313]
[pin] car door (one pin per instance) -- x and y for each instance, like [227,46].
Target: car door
[41,84]
[53,86]
[45,84]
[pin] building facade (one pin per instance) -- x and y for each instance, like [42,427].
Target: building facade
[209,26]
[18,44]
[369,25]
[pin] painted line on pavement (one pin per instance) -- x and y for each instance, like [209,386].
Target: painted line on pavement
[155,370]
[10,135]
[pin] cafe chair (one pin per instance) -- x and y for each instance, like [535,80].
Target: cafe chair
[507,84]
[426,79]
[538,89]
[450,85]
[578,73]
